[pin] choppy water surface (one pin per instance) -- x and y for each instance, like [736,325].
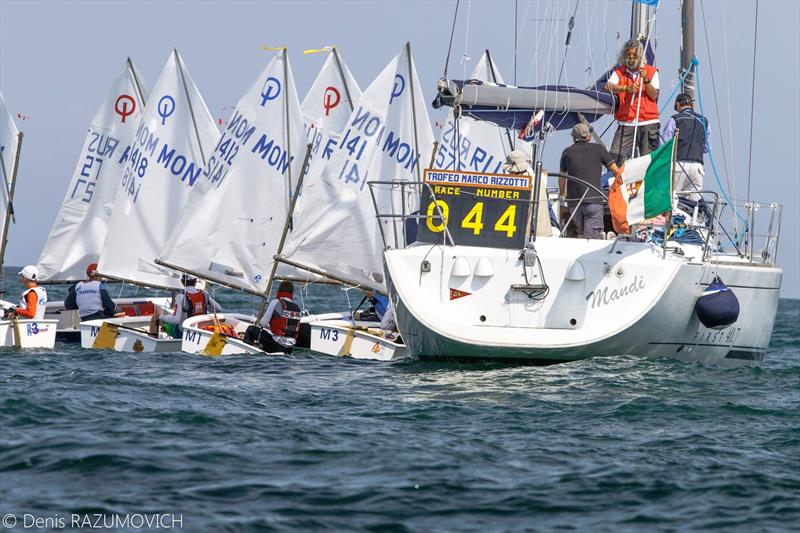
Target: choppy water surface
[311,442]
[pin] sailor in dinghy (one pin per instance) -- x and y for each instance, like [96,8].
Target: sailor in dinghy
[190,302]
[28,316]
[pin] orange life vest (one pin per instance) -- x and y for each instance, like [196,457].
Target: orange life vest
[629,102]
[286,323]
[197,302]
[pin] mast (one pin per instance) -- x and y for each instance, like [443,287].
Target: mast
[189,101]
[286,227]
[10,207]
[335,53]
[687,45]
[286,107]
[640,20]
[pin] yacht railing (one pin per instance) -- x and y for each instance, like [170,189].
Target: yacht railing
[409,192]
[753,239]
[755,233]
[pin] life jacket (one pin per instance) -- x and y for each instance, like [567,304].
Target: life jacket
[41,302]
[195,303]
[629,102]
[88,298]
[692,136]
[286,322]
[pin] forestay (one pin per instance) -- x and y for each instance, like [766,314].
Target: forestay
[9,146]
[230,229]
[80,227]
[388,137]
[166,158]
[473,145]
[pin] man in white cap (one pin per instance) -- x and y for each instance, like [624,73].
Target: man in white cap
[518,163]
[585,160]
[34,298]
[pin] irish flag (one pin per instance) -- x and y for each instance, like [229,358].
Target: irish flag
[646,188]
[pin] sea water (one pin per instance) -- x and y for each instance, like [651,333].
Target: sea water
[311,443]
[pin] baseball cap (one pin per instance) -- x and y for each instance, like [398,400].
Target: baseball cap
[581,131]
[29,272]
[91,269]
[684,98]
[516,161]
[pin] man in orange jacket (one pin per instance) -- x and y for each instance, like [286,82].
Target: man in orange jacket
[636,85]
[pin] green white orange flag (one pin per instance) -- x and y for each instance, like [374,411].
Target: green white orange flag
[646,188]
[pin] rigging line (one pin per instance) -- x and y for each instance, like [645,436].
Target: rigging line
[752,104]
[570,25]
[466,41]
[516,39]
[716,99]
[519,36]
[730,112]
[650,28]
[450,46]
[534,69]
[711,155]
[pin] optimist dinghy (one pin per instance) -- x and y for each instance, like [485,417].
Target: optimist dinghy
[222,334]
[126,334]
[357,340]
[147,205]
[342,241]
[15,332]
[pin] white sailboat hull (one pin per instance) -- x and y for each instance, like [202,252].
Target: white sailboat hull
[196,336]
[618,300]
[69,320]
[362,340]
[196,332]
[131,336]
[32,333]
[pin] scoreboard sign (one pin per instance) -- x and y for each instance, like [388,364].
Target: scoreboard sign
[479,209]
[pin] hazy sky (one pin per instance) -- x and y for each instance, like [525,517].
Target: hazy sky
[58,59]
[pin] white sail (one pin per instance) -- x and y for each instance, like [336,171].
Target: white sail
[473,145]
[231,227]
[171,145]
[388,137]
[331,99]
[80,227]
[9,146]
[326,110]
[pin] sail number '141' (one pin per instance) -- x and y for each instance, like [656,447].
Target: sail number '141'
[478,209]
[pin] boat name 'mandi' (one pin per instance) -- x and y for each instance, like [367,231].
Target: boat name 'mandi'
[601,297]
